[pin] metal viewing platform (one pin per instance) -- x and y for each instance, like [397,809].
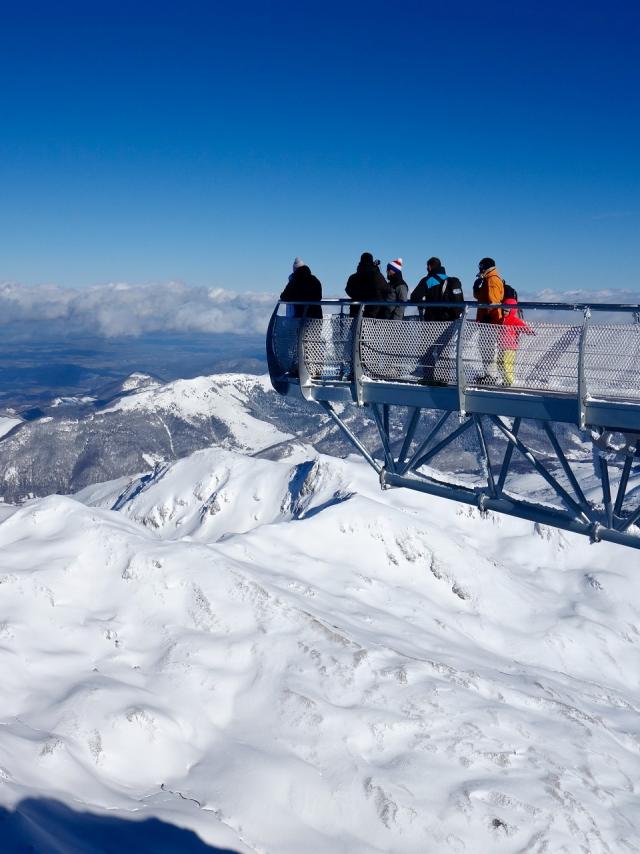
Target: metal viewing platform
[576,364]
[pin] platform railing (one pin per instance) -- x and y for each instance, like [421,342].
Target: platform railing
[585,351]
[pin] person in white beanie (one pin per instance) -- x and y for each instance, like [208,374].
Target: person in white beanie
[399,292]
[297,263]
[302,286]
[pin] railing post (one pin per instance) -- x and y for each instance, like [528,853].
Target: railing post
[356,357]
[460,376]
[303,372]
[582,380]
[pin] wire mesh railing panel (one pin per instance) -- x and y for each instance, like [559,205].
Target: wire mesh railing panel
[285,344]
[328,347]
[542,356]
[612,361]
[539,357]
[410,350]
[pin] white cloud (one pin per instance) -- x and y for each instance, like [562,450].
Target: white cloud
[121,309]
[581,295]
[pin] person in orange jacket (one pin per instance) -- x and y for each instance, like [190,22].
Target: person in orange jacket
[488,288]
[508,338]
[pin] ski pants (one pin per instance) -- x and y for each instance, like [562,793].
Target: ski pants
[507,365]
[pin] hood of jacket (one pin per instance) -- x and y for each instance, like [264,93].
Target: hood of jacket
[432,281]
[303,272]
[367,267]
[492,271]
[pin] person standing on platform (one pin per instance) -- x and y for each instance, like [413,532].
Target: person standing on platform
[437,287]
[438,363]
[368,283]
[303,286]
[399,289]
[508,339]
[488,289]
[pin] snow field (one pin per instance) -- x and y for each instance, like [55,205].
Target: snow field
[283,658]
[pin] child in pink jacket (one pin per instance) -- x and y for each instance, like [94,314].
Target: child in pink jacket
[508,337]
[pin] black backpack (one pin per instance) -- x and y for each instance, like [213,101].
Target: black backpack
[509,292]
[450,291]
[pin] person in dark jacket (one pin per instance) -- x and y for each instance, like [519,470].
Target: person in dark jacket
[368,283]
[399,289]
[303,286]
[438,365]
[437,287]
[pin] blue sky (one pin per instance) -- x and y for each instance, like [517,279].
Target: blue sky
[212,142]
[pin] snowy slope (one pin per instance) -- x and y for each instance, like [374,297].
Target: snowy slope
[221,395]
[214,494]
[7,423]
[143,423]
[285,659]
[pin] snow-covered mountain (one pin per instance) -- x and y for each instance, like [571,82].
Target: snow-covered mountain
[133,425]
[283,658]
[130,426]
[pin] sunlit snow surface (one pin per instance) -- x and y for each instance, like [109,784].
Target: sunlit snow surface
[285,659]
[7,424]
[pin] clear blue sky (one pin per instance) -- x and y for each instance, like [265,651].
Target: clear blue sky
[212,142]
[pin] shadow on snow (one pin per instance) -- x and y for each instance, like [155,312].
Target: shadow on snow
[46,826]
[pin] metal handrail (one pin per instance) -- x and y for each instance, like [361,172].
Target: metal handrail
[547,306]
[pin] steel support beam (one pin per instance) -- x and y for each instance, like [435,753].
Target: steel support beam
[520,510]
[443,444]
[412,423]
[421,448]
[385,420]
[630,520]
[548,477]
[508,454]
[624,480]
[384,437]
[350,436]
[564,462]
[491,484]
[606,490]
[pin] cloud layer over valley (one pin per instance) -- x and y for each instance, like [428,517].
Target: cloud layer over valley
[120,309]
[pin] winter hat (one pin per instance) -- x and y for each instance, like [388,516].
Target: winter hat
[297,262]
[366,258]
[396,265]
[510,301]
[486,264]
